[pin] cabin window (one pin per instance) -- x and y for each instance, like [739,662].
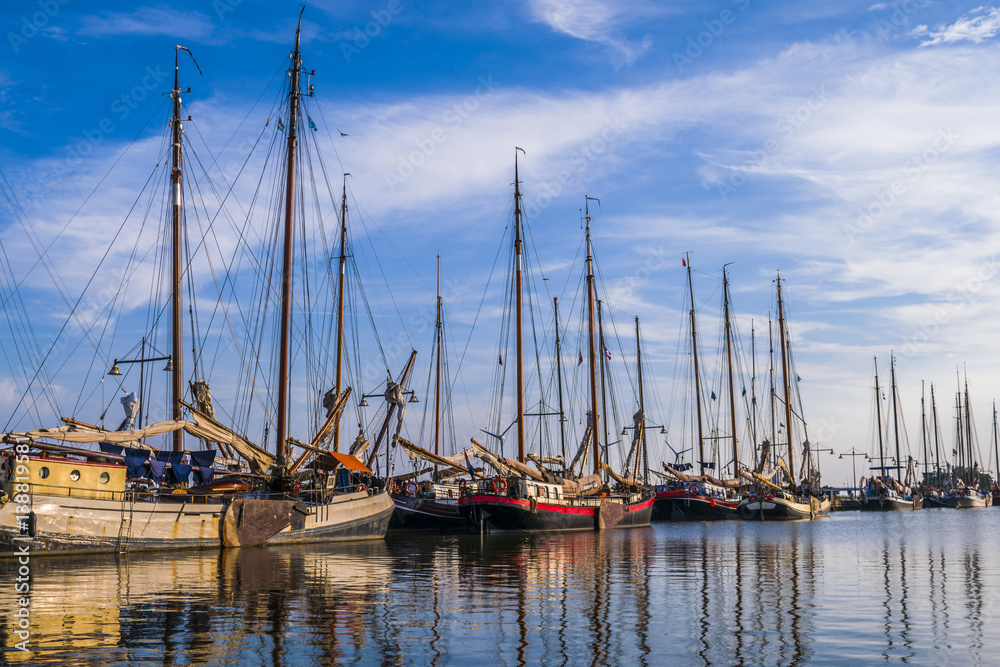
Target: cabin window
[44,472]
[75,475]
[105,478]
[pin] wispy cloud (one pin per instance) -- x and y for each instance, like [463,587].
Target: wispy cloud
[598,21]
[977,26]
[147,21]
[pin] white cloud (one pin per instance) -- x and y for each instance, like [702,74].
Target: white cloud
[145,21]
[977,26]
[599,21]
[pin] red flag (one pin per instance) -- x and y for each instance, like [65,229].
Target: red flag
[580,360]
[683,263]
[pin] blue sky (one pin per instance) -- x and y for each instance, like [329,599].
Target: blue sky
[851,145]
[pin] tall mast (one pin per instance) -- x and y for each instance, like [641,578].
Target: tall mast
[970,459]
[785,382]
[729,355]
[996,444]
[562,419]
[925,441]
[642,405]
[604,389]
[878,416]
[437,370]
[937,442]
[697,373]
[895,416]
[753,387]
[177,332]
[770,371]
[341,284]
[286,254]
[591,340]
[519,312]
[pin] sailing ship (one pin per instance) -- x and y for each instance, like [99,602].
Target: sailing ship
[431,504]
[964,489]
[798,498]
[703,497]
[65,498]
[883,492]
[83,500]
[521,498]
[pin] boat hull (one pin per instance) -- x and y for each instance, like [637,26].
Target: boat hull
[350,516]
[505,513]
[886,504]
[677,505]
[414,513]
[783,509]
[967,502]
[89,525]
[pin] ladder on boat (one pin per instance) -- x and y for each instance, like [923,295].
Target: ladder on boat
[125,525]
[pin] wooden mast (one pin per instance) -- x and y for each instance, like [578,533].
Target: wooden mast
[924,440]
[177,332]
[878,418]
[895,417]
[340,307]
[785,382]
[286,255]
[604,389]
[591,341]
[996,443]
[437,371]
[642,407]
[937,443]
[697,373]
[968,441]
[562,417]
[729,355]
[519,334]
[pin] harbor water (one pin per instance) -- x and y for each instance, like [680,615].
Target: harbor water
[919,588]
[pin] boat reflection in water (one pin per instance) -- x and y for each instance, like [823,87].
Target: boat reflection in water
[731,593]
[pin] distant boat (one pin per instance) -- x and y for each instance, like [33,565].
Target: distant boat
[702,497]
[799,498]
[963,490]
[883,492]
[521,498]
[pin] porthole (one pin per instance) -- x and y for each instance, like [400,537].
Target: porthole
[105,478]
[75,475]
[44,472]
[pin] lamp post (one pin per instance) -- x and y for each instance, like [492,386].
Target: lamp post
[854,472]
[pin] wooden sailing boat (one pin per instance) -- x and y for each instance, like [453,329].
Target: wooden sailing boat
[885,493]
[351,505]
[704,497]
[963,491]
[68,498]
[995,488]
[798,498]
[432,504]
[524,499]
